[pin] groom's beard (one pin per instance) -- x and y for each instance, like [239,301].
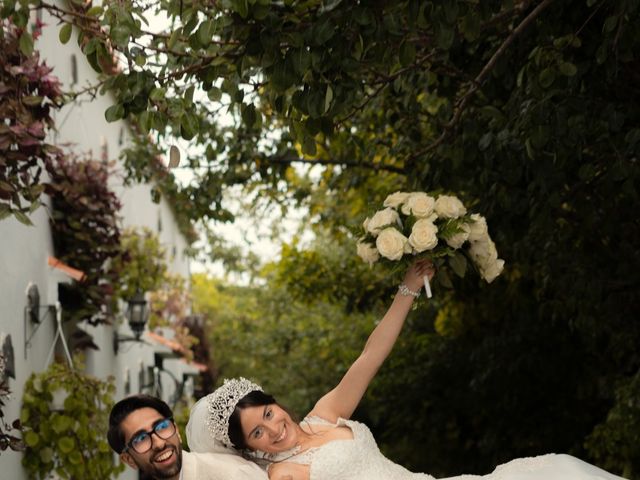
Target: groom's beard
[159,473]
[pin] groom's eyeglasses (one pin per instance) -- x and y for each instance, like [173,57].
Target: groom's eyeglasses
[142,441]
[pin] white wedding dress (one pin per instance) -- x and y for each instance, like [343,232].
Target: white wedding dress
[360,459]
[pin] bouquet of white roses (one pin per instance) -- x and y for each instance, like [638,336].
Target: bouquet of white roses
[437,228]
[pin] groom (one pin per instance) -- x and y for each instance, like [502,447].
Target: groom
[143,433]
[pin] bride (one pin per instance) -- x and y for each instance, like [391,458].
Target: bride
[326,445]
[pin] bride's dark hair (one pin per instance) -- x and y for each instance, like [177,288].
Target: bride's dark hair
[251,399]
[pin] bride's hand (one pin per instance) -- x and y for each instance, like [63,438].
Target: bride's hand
[413,279]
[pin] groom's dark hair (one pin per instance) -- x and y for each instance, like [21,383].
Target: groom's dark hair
[123,408]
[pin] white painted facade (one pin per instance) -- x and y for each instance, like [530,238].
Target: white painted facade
[24,251]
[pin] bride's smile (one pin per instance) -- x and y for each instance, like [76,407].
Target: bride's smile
[269,428]
[283,435]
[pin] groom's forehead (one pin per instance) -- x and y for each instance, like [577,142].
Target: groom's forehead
[140,419]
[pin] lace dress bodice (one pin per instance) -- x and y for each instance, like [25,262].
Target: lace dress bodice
[357,459]
[360,459]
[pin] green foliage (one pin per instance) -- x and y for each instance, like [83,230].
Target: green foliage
[518,384]
[201,351]
[86,234]
[615,441]
[232,257]
[169,301]
[297,351]
[298,80]
[329,272]
[27,95]
[65,413]
[141,263]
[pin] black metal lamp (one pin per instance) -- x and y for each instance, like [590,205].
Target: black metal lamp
[137,316]
[137,313]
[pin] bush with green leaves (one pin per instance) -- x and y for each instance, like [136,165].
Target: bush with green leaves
[65,414]
[86,234]
[28,93]
[616,441]
[141,264]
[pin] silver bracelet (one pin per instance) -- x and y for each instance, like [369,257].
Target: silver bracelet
[404,290]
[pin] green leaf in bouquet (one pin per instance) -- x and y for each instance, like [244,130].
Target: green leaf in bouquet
[444,251]
[409,222]
[458,263]
[450,227]
[442,275]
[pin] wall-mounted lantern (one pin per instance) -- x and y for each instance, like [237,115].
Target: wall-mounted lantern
[137,316]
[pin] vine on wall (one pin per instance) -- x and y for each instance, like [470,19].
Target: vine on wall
[28,92]
[141,263]
[86,234]
[67,413]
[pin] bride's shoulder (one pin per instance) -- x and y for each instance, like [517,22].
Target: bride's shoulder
[316,420]
[320,414]
[288,471]
[312,421]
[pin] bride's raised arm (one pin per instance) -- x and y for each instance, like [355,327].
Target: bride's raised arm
[345,397]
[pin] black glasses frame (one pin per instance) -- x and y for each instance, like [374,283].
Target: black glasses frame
[153,431]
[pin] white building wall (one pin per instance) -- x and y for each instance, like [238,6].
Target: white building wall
[24,251]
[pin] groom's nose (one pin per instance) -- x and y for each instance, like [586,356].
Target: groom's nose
[157,443]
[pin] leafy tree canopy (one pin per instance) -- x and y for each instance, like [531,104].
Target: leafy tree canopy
[417,88]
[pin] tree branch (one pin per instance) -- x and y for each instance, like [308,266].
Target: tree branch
[309,161]
[90,89]
[384,82]
[462,102]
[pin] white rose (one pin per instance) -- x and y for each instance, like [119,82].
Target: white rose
[408,248]
[492,270]
[423,235]
[391,243]
[448,206]
[418,204]
[382,219]
[456,240]
[365,224]
[395,199]
[367,252]
[479,230]
[483,253]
